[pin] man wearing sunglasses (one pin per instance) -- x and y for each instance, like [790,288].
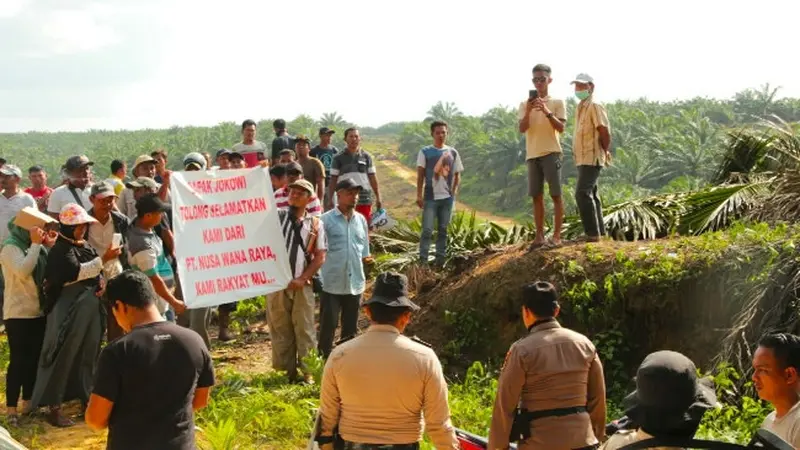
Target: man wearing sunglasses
[542,120]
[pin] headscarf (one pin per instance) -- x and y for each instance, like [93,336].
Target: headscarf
[64,261]
[21,238]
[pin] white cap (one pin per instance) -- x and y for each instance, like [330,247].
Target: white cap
[583,78]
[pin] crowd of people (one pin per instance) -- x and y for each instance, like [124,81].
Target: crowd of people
[99,264]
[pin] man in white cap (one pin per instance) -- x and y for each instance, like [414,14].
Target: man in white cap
[145,166]
[590,147]
[13,198]
[78,171]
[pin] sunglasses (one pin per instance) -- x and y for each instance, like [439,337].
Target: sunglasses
[539,79]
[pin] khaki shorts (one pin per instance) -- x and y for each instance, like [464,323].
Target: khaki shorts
[541,169]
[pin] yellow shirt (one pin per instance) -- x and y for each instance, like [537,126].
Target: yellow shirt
[586,141]
[118,184]
[541,139]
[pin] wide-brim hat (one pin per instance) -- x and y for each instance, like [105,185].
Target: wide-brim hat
[74,214]
[668,393]
[391,289]
[143,159]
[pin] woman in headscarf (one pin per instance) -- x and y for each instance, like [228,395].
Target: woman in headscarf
[23,259]
[75,316]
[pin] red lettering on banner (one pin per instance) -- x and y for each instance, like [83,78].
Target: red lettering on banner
[234,233]
[232,283]
[212,236]
[231,184]
[202,186]
[234,258]
[231,208]
[205,287]
[262,253]
[194,212]
[209,262]
[261,279]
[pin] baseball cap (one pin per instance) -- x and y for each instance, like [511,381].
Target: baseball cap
[143,159]
[391,289]
[222,151]
[583,78]
[77,162]
[234,154]
[150,203]
[303,184]
[294,167]
[102,190]
[347,183]
[194,159]
[11,170]
[301,138]
[286,151]
[143,182]
[325,130]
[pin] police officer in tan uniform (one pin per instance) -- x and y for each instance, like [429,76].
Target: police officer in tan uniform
[553,373]
[376,387]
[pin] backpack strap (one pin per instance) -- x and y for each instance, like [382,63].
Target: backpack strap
[75,195]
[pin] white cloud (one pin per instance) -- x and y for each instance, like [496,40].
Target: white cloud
[78,31]
[12,8]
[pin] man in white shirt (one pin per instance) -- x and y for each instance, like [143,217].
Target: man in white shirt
[78,170]
[252,150]
[13,198]
[776,364]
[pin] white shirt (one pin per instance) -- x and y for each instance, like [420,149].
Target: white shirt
[9,207]
[62,196]
[100,239]
[21,295]
[787,427]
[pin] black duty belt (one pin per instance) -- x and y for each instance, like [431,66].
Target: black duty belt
[558,412]
[357,446]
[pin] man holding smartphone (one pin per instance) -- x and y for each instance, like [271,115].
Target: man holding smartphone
[542,119]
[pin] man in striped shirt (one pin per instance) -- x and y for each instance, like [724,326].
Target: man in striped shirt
[294,172]
[355,164]
[290,312]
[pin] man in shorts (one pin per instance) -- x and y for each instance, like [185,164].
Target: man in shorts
[542,119]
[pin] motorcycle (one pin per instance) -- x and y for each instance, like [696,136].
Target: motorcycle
[763,439]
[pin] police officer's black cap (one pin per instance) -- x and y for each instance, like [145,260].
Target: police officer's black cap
[348,184]
[325,130]
[541,293]
[391,289]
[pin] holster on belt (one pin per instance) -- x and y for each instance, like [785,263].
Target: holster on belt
[521,426]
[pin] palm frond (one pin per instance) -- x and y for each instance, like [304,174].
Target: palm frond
[716,208]
[647,218]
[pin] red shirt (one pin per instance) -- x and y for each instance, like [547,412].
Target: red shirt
[40,193]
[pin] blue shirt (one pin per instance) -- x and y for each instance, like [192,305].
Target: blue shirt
[343,271]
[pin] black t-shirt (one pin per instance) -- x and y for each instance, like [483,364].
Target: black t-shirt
[151,374]
[326,156]
[280,143]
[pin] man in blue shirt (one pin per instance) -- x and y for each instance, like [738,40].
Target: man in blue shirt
[439,170]
[343,279]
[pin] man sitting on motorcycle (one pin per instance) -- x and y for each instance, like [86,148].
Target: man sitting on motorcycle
[669,401]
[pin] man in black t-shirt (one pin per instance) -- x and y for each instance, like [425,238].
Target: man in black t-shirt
[282,140]
[149,382]
[325,151]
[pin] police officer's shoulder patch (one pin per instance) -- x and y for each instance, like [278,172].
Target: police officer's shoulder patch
[420,341]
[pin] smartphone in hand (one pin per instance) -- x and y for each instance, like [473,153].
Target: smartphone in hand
[533,94]
[116,240]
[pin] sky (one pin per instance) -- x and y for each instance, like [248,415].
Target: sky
[121,64]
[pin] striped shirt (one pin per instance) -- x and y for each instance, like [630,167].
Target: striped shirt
[313,208]
[297,236]
[358,167]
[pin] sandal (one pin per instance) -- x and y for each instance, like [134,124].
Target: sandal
[536,246]
[12,420]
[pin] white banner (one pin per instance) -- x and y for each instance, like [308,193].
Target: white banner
[228,241]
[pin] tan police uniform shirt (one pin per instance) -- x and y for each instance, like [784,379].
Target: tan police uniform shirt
[551,368]
[586,139]
[541,139]
[378,386]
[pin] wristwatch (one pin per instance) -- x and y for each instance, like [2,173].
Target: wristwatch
[550,116]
